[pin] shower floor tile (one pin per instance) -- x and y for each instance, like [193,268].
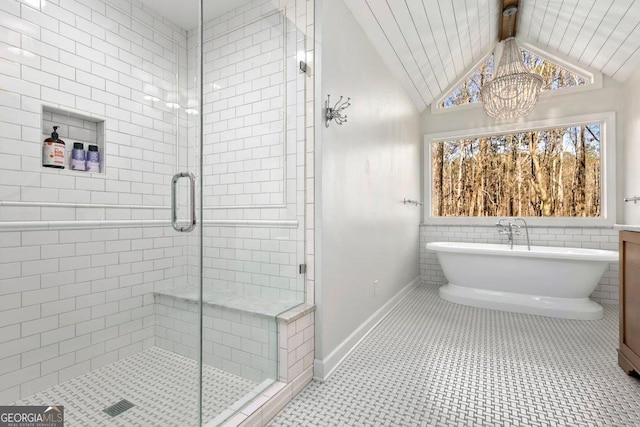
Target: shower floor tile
[435,363]
[162,385]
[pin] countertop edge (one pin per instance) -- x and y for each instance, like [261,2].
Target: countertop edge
[626,227]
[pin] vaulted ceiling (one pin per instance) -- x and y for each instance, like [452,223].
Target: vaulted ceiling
[430,44]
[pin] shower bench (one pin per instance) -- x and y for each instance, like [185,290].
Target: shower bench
[239,330]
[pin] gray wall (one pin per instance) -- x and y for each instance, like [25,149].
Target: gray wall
[368,165]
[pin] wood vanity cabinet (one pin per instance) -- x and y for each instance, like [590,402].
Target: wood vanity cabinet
[629,351]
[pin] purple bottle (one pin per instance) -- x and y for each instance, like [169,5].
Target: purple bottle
[78,161]
[93,159]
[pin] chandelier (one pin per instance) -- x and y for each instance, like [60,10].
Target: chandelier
[514,90]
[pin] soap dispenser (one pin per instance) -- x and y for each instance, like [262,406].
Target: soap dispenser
[53,151]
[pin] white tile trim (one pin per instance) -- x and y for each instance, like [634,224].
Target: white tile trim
[280,223]
[120,206]
[279,395]
[78,205]
[91,224]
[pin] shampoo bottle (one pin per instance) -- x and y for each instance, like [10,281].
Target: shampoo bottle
[53,151]
[93,159]
[78,161]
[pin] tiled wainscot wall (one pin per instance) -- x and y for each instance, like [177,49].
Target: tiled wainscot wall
[235,340]
[81,253]
[577,237]
[254,150]
[74,300]
[296,352]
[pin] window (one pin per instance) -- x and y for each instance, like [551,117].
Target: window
[546,170]
[469,90]
[555,77]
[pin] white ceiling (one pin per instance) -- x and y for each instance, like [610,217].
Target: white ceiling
[430,44]
[184,13]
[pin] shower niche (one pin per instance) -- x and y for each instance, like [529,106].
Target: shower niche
[74,127]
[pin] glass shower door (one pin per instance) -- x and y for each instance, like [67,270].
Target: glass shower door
[99,293]
[253,196]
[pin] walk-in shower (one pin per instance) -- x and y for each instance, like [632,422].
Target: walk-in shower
[111,303]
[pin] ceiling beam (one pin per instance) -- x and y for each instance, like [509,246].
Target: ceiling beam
[508,22]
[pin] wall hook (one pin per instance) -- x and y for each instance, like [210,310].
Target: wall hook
[335,112]
[413,202]
[633,199]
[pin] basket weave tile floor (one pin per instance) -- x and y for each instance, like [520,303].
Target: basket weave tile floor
[435,363]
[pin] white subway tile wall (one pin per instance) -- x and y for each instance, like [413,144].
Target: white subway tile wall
[129,52]
[79,299]
[254,260]
[577,237]
[244,98]
[296,345]
[76,299]
[236,341]
[254,149]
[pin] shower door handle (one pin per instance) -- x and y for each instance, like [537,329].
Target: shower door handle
[192,202]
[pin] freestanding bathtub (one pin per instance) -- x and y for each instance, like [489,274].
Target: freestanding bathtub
[546,281]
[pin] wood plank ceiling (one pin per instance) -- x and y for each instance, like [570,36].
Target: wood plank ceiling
[430,44]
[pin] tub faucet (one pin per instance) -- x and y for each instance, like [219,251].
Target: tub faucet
[515,231]
[510,229]
[526,229]
[502,222]
[506,228]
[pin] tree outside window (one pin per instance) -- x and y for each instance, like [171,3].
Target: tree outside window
[539,173]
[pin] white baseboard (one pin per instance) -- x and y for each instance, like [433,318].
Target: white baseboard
[322,369]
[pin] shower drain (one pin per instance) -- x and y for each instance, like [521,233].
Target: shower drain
[118,408]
